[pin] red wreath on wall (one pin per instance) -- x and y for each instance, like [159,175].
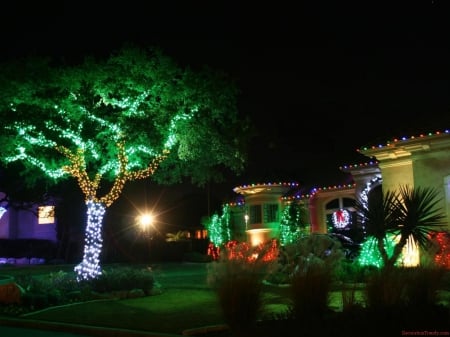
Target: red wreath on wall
[341,218]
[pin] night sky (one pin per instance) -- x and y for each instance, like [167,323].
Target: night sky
[319,80]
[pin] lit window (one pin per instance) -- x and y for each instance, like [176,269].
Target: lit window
[46,214]
[201,234]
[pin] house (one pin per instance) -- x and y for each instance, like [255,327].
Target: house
[422,160]
[258,219]
[26,235]
[417,161]
[38,222]
[257,213]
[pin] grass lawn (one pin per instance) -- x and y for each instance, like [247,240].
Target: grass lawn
[170,312]
[185,302]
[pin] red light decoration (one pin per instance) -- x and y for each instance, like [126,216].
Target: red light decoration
[442,258]
[341,218]
[243,251]
[213,251]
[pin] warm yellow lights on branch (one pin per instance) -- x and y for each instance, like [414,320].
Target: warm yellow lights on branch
[77,169]
[108,122]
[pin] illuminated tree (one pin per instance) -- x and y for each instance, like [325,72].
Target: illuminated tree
[109,121]
[218,227]
[292,224]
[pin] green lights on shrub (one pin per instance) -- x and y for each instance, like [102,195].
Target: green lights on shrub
[219,227]
[370,254]
[292,226]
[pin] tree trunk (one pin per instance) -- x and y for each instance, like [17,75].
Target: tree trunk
[382,250]
[90,268]
[397,250]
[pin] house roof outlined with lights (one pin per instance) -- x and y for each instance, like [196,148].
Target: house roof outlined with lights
[416,161]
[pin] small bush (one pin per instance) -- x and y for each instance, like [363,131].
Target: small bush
[49,290]
[123,278]
[59,288]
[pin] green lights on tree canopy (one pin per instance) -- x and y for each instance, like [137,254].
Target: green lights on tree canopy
[107,122]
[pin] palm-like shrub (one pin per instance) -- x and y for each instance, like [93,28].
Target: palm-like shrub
[419,216]
[379,214]
[408,212]
[177,236]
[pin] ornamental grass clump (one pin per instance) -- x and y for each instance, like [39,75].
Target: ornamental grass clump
[318,258]
[404,287]
[237,277]
[408,296]
[310,288]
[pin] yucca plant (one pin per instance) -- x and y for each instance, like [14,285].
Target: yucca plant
[408,212]
[177,236]
[379,214]
[419,216]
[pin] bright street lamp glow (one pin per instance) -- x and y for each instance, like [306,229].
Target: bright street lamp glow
[146,220]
